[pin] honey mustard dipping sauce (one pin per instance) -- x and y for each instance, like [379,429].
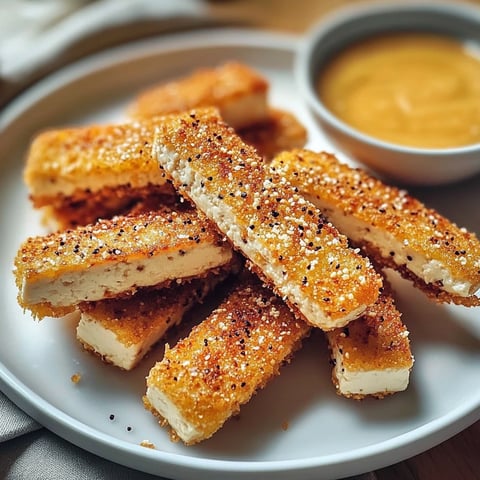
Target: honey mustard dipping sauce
[414,89]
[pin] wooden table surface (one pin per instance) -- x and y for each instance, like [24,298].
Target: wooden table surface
[458,457]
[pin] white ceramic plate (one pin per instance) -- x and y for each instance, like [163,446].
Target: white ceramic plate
[327,436]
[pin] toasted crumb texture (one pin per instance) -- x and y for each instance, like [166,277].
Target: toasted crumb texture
[147,444]
[237,90]
[103,198]
[372,355]
[86,207]
[392,227]
[122,330]
[111,257]
[281,131]
[286,238]
[207,376]
[76,162]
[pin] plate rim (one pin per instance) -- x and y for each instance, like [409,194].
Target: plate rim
[196,39]
[370,457]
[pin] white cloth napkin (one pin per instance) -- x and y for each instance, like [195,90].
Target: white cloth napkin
[33,32]
[30,452]
[39,36]
[14,422]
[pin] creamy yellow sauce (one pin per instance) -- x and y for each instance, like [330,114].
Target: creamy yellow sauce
[414,89]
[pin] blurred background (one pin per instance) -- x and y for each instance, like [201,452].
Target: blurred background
[39,36]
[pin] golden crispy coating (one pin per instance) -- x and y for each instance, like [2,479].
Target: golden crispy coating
[84,208]
[236,89]
[282,131]
[78,206]
[76,162]
[394,228]
[139,321]
[207,376]
[102,260]
[286,238]
[372,355]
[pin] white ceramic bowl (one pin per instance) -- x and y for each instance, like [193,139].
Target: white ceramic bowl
[410,165]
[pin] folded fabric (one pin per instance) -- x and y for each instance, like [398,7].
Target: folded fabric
[14,421]
[41,455]
[52,26]
[37,38]
[28,451]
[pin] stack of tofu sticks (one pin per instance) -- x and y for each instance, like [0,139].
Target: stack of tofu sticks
[153,214]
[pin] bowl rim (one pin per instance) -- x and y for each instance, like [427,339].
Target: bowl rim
[333,21]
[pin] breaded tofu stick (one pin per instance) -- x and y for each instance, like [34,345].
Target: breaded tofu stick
[56,272]
[285,238]
[85,173]
[391,226]
[206,377]
[122,330]
[78,175]
[281,131]
[371,356]
[239,92]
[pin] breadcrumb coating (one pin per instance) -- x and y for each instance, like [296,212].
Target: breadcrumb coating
[142,319]
[121,240]
[232,83]
[84,208]
[132,318]
[226,358]
[427,235]
[287,239]
[281,131]
[377,341]
[83,160]
[78,175]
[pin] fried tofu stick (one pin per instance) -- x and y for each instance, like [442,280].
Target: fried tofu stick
[78,175]
[285,238]
[392,227]
[280,131]
[237,90]
[54,273]
[122,330]
[206,377]
[371,356]
[85,173]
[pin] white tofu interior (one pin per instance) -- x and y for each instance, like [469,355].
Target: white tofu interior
[107,281]
[168,410]
[368,382]
[428,270]
[253,248]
